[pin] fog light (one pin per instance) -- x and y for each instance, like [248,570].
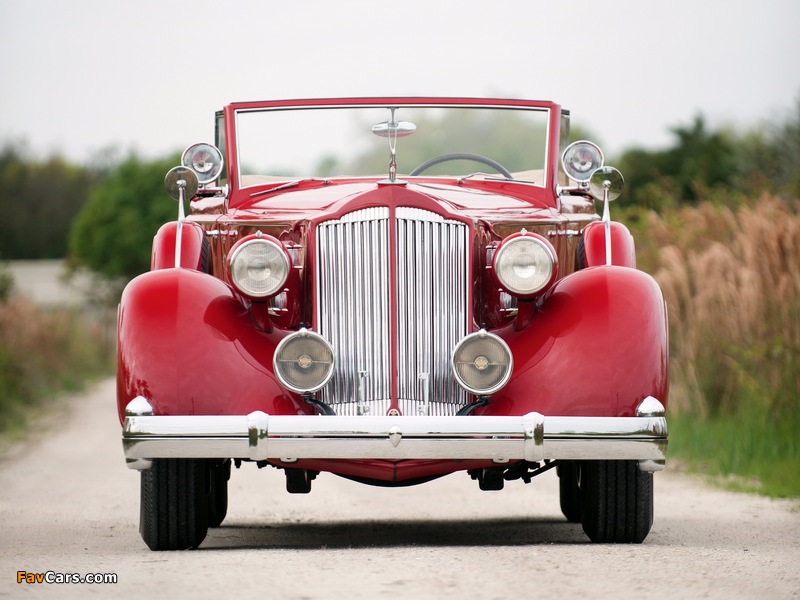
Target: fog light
[482,363]
[303,361]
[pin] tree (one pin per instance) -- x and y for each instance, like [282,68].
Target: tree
[700,160]
[38,201]
[113,233]
[769,156]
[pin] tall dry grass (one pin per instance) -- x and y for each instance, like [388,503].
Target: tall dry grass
[731,279]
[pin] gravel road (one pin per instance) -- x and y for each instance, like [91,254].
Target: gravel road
[69,505]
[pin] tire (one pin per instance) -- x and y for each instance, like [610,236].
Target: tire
[580,255]
[616,501]
[205,256]
[568,491]
[219,472]
[174,504]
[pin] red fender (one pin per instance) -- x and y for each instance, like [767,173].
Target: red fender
[623,249]
[186,344]
[192,238]
[596,347]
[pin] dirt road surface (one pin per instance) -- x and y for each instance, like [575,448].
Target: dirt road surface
[69,505]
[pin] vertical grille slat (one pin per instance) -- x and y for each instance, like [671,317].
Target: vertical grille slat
[354,304]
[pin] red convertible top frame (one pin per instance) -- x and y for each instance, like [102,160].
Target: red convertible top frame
[229,112]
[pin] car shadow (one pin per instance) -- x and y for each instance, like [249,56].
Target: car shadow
[395,533]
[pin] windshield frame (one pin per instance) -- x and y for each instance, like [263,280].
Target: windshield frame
[553,121]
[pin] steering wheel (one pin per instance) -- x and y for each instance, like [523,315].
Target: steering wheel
[462,156]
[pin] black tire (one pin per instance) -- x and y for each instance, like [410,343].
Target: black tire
[219,472]
[580,254]
[568,491]
[616,501]
[205,256]
[174,504]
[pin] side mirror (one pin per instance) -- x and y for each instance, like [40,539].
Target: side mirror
[181,183]
[606,183]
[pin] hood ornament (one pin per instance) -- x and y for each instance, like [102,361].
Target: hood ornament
[391,130]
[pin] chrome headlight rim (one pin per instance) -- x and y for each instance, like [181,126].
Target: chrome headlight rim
[585,150]
[277,358]
[236,254]
[490,338]
[205,160]
[542,245]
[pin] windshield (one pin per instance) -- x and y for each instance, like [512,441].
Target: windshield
[325,142]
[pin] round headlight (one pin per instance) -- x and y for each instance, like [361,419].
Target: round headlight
[525,264]
[259,267]
[205,160]
[303,361]
[482,363]
[580,159]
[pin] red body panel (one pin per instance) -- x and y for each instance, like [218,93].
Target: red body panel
[190,347]
[191,246]
[623,249]
[597,347]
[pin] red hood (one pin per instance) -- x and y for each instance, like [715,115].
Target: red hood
[319,201]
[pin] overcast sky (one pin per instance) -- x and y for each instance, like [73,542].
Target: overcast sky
[81,76]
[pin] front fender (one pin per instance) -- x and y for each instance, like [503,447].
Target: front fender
[596,347]
[193,246]
[623,248]
[188,345]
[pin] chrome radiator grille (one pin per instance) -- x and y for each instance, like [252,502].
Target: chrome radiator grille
[354,309]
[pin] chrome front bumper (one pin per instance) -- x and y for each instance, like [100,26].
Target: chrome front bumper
[532,437]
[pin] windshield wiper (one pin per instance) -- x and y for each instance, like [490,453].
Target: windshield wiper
[284,186]
[487,176]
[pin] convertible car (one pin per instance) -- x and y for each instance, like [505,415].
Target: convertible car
[393,290]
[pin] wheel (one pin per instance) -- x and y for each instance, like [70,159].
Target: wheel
[616,501]
[462,156]
[219,472]
[174,503]
[568,490]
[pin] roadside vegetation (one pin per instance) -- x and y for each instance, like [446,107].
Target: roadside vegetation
[42,354]
[716,218]
[731,279]
[724,244]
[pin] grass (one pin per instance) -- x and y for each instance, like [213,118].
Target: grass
[747,450]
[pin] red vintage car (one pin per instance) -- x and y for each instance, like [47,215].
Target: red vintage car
[393,290]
